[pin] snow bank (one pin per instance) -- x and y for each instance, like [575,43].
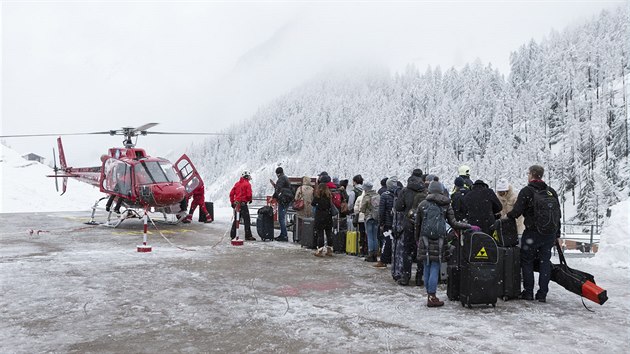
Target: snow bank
[614,248]
[25,187]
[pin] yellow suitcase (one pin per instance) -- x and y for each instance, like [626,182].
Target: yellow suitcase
[352,242]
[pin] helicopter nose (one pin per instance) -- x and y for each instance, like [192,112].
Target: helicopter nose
[168,194]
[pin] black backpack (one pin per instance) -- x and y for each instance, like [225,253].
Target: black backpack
[433,221]
[546,211]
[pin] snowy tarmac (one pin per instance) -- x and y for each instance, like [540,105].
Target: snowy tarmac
[79,288]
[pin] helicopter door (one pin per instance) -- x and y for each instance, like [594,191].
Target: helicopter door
[187,174]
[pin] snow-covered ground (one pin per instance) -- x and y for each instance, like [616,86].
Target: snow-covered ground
[70,290]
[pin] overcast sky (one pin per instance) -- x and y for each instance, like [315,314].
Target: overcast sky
[201,66]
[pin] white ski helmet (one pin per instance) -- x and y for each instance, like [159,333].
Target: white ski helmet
[464,170]
[246,174]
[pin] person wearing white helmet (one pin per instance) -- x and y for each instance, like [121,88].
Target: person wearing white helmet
[464,173]
[240,196]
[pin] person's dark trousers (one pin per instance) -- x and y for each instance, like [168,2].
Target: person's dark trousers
[532,244]
[246,221]
[282,220]
[409,242]
[386,248]
[363,248]
[320,236]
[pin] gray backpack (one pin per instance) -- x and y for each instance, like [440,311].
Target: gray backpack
[433,221]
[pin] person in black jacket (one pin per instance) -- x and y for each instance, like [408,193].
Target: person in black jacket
[322,202]
[481,204]
[407,202]
[537,241]
[385,220]
[284,195]
[457,199]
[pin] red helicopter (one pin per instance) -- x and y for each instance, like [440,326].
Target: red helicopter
[139,182]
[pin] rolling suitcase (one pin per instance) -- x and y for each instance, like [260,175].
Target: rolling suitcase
[509,272]
[478,271]
[504,232]
[452,285]
[306,232]
[264,223]
[352,242]
[339,237]
[210,208]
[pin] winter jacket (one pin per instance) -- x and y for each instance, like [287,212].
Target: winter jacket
[507,201]
[353,195]
[468,183]
[366,204]
[283,188]
[357,208]
[525,203]
[241,192]
[407,196]
[385,216]
[457,202]
[323,218]
[305,193]
[481,205]
[434,252]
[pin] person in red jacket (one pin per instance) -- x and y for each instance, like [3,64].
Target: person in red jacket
[199,199]
[240,196]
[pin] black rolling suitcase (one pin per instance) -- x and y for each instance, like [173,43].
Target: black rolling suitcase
[453,266]
[478,272]
[504,232]
[264,223]
[509,272]
[339,236]
[306,232]
[210,207]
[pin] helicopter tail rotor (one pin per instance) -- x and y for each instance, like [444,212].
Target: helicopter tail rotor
[56,169]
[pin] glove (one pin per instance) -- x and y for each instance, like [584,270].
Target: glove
[250,202]
[475,228]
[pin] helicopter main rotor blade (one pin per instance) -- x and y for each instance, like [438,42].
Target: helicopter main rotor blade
[32,135]
[185,133]
[145,127]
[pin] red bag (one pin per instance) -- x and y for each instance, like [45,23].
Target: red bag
[298,204]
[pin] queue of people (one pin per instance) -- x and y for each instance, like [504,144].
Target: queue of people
[400,225]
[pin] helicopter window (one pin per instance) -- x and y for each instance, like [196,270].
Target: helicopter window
[158,173]
[117,177]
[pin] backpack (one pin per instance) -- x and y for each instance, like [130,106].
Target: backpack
[546,212]
[374,203]
[398,222]
[417,199]
[433,221]
[286,196]
[337,199]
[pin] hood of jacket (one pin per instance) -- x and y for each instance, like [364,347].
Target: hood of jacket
[415,183]
[306,181]
[537,184]
[439,199]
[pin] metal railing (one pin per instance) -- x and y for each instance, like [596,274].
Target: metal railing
[585,236]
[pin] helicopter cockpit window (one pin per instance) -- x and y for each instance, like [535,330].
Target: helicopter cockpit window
[192,185]
[157,172]
[185,168]
[117,177]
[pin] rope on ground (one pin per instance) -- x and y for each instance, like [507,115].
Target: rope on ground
[226,231]
[169,241]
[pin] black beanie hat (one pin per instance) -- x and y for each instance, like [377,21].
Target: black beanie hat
[417,172]
[279,170]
